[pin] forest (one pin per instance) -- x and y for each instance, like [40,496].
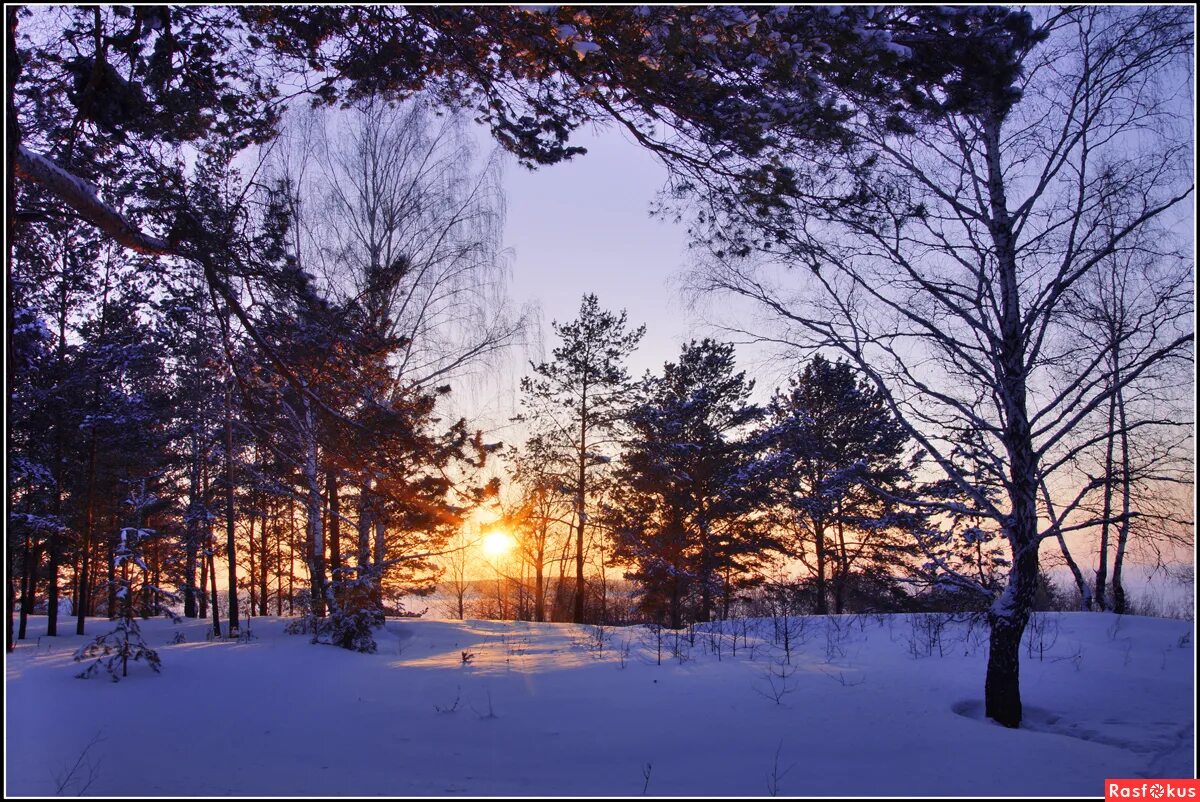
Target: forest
[254,255]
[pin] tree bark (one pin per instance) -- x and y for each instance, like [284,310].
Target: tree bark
[202,588]
[1120,604]
[251,552]
[28,582]
[1106,513]
[335,529]
[319,586]
[539,589]
[264,554]
[843,560]
[13,142]
[230,541]
[580,502]
[192,544]
[212,578]
[1010,613]
[86,550]
[819,543]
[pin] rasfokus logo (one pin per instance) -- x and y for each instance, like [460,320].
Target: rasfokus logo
[1152,789]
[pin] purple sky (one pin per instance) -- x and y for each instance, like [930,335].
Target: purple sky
[584,226]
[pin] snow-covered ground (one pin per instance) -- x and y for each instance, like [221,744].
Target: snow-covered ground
[869,705]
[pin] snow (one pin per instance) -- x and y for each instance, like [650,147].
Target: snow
[869,706]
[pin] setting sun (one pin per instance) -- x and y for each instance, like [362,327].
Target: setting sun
[497,543]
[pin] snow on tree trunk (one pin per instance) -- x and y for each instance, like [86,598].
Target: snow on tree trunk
[192,543]
[1118,588]
[580,508]
[1010,613]
[316,532]
[335,528]
[230,540]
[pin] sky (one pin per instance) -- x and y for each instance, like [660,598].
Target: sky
[577,227]
[584,226]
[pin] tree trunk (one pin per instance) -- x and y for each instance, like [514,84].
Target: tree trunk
[212,577]
[13,137]
[319,587]
[364,529]
[539,590]
[726,594]
[1010,613]
[819,543]
[230,542]
[380,559]
[279,562]
[157,578]
[28,582]
[705,570]
[580,513]
[335,530]
[843,560]
[202,588]
[90,504]
[86,552]
[675,612]
[192,544]
[580,588]
[1120,605]
[291,576]
[1106,513]
[110,601]
[264,554]
[252,579]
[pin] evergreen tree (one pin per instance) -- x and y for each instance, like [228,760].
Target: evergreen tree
[684,507]
[115,649]
[838,465]
[574,401]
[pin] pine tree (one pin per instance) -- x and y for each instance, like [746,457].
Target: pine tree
[684,507]
[574,401]
[838,465]
[115,649]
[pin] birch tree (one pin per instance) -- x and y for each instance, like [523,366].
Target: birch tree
[1140,439]
[939,249]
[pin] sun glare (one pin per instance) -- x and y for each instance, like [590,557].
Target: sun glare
[497,543]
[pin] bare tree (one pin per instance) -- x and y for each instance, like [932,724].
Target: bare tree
[941,252]
[1141,438]
[543,512]
[457,562]
[394,212]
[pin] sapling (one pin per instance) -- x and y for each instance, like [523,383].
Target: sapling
[779,680]
[76,774]
[116,648]
[776,775]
